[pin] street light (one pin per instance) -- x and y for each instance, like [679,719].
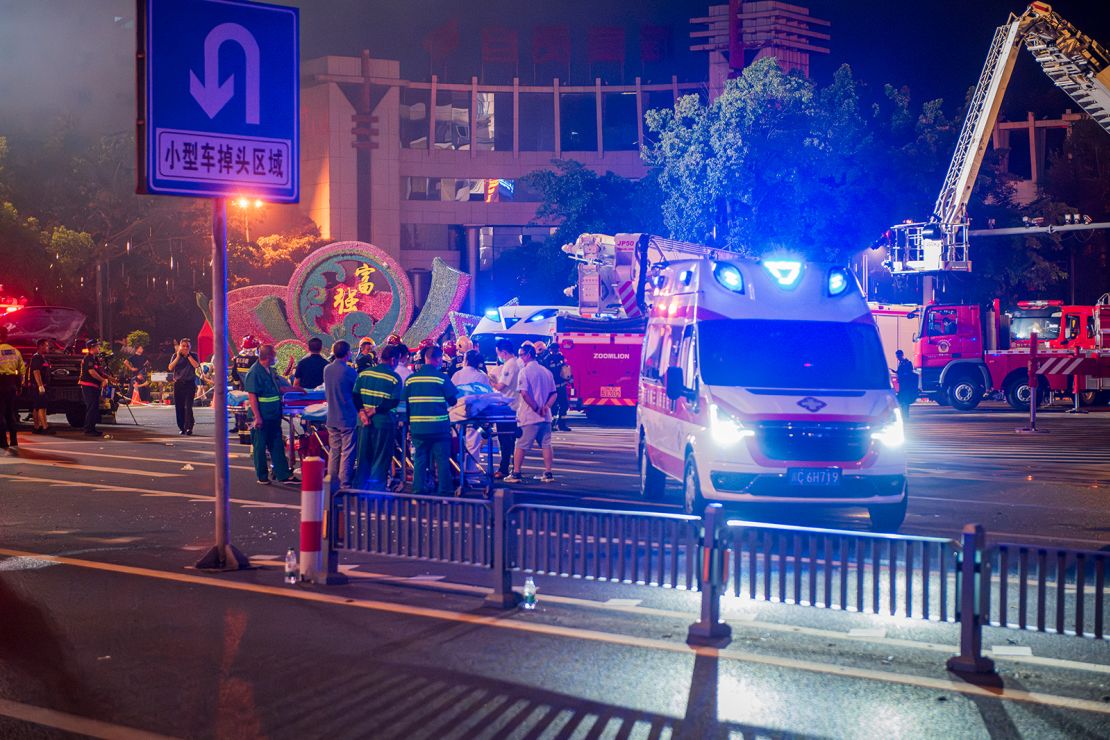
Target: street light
[244,204]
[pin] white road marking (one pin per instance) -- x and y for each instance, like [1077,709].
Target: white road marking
[867,632]
[1011,650]
[71,722]
[86,468]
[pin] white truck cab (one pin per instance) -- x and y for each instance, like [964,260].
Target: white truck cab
[766,383]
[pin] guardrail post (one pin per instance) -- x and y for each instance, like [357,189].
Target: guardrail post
[503,596]
[974,582]
[709,629]
[329,574]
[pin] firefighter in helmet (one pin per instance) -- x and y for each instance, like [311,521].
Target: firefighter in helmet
[452,362]
[367,356]
[242,362]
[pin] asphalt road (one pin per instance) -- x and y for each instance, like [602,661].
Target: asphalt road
[106,629]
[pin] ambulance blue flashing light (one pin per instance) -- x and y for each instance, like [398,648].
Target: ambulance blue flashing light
[838,281]
[729,276]
[493,314]
[785,272]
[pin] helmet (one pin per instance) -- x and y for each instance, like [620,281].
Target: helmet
[449,346]
[540,346]
[366,340]
[249,342]
[393,338]
[425,344]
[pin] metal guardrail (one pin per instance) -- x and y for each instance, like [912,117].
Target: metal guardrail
[1047,589]
[891,574]
[928,578]
[445,530]
[605,545]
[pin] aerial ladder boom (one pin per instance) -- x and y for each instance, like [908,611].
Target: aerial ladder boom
[1073,61]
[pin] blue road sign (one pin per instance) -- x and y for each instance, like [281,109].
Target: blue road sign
[219,99]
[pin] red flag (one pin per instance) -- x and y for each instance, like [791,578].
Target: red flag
[551,45]
[654,43]
[499,46]
[605,44]
[443,40]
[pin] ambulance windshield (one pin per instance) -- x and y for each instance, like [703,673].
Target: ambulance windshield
[818,355]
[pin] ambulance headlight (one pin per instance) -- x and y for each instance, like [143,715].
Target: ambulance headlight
[839,281]
[725,429]
[729,276]
[785,272]
[892,433]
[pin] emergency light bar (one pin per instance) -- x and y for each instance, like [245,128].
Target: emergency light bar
[729,276]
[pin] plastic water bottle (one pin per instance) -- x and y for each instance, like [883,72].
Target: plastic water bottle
[291,566]
[529,594]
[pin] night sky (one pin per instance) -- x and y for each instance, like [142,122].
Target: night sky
[76,56]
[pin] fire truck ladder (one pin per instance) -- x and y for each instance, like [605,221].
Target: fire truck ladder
[1072,60]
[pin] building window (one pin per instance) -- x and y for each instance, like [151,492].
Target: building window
[578,122]
[480,190]
[414,118]
[537,122]
[432,237]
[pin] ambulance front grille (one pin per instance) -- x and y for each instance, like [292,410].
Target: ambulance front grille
[813,441]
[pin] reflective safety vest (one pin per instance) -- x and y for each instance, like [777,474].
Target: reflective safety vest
[379,388]
[428,395]
[261,382]
[11,362]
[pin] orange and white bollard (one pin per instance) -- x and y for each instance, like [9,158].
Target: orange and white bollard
[312,518]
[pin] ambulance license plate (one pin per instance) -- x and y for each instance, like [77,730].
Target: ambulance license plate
[813,476]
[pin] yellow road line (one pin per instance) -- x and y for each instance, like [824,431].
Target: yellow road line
[107,487]
[549,630]
[86,468]
[71,722]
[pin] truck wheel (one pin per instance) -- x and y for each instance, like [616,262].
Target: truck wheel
[652,480]
[691,488]
[889,517]
[75,415]
[965,393]
[1017,395]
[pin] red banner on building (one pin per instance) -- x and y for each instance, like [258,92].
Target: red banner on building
[442,41]
[499,46]
[655,43]
[605,44]
[551,45]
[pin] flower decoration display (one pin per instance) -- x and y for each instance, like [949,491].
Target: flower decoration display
[346,290]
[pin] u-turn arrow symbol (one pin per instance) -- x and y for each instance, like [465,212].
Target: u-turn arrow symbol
[211,95]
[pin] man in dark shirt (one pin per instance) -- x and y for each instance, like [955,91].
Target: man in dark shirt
[92,380]
[907,383]
[310,370]
[554,360]
[184,368]
[38,378]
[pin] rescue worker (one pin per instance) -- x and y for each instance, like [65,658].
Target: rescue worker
[377,394]
[367,357]
[554,360]
[264,388]
[428,395]
[93,379]
[242,362]
[907,383]
[11,376]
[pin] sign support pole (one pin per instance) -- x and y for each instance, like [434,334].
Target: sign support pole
[223,555]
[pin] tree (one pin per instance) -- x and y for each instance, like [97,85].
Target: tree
[273,258]
[772,164]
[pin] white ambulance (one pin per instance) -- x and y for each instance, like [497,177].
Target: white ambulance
[766,383]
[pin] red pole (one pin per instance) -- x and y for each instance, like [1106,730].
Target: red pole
[1032,370]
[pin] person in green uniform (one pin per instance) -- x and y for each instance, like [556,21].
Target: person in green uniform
[264,388]
[428,395]
[377,393]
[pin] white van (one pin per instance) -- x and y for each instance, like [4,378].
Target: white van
[765,382]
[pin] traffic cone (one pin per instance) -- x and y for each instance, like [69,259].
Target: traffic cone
[135,400]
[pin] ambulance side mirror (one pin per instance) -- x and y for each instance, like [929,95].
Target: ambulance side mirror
[674,385]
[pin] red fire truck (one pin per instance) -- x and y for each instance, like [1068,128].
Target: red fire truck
[963,353]
[604,355]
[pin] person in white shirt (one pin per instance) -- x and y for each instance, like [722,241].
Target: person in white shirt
[504,379]
[469,380]
[536,386]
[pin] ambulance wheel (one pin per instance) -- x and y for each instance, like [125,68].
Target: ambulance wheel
[888,517]
[652,480]
[691,488]
[965,393]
